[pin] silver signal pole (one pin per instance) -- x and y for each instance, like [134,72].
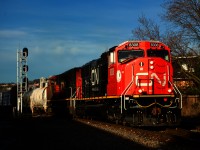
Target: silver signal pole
[22,77]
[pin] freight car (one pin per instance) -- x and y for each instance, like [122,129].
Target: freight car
[8,96]
[130,83]
[45,99]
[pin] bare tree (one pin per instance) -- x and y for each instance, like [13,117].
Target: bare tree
[184,36]
[184,39]
[147,30]
[185,15]
[175,41]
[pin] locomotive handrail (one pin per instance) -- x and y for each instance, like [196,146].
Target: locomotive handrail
[94,98]
[73,95]
[177,92]
[124,92]
[128,87]
[176,88]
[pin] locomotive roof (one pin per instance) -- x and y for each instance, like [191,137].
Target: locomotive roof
[139,41]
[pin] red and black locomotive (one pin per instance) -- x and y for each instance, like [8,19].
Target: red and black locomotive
[130,83]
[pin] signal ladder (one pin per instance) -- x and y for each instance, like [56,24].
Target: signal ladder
[22,79]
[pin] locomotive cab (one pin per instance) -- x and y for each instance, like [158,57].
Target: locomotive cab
[140,65]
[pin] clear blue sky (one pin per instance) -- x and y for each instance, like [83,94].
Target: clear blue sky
[61,34]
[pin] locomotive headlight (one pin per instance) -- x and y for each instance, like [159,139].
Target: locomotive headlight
[169,90]
[151,67]
[126,98]
[151,62]
[140,90]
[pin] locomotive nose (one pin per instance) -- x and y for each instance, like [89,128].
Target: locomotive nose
[151,76]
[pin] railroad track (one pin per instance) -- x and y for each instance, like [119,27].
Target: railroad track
[165,138]
[153,138]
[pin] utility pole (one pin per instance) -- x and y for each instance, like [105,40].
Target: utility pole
[22,77]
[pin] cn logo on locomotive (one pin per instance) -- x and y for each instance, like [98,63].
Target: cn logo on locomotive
[153,75]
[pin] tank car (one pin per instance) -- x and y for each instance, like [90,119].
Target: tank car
[36,99]
[130,83]
[48,98]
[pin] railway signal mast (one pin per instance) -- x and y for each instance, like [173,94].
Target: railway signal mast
[22,78]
